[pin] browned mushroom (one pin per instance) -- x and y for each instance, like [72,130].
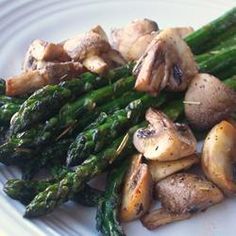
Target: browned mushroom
[40,50]
[187,193]
[93,50]
[45,73]
[219,157]
[208,101]
[161,169]
[132,40]
[161,216]
[164,140]
[167,63]
[137,191]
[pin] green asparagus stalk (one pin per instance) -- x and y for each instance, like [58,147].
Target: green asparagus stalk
[47,101]
[201,40]
[219,62]
[69,115]
[25,191]
[107,216]
[51,156]
[58,193]
[93,140]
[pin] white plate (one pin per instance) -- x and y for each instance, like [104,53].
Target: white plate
[23,21]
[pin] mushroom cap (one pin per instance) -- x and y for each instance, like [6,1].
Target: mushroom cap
[166,63]
[219,156]
[208,101]
[187,193]
[132,40]
[164,140]
[84,45]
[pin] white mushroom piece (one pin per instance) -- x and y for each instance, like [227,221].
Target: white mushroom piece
[162,169]
[167,63]
[93,50]
[132,40]
[137,190]
[40,50]
[219,157]
[208,101]
[164,140]
[44,74]
[182,195]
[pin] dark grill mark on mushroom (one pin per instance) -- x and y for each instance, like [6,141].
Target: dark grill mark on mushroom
[145,133]
[177,74]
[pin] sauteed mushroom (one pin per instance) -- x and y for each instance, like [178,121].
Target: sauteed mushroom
[187,193]
[137,192]
[162,169]
[164,140]
[167,63]
[93,50]
[219,157]
[208,101]
[132,40]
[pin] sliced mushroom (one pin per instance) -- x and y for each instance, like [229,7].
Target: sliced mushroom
[164,140]
[46,73]
[162,169]
[208,101]
[93,50]
[40,50]
[137,191]
[167,63]
[160,217]
[25,82]
[187,193]
[219,157]
[132,40]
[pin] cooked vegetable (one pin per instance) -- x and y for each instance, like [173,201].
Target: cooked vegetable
[219,63]
[187,193]
[40,50]
[69,115]
[50,156]
[30,81]
[208,101]
[160,217]
[45,102]
[93,140]
[164,140]
[93,50]
[137,190]
[166,63]
[56,194]
[162,169]
[132,40]
[218,156]
[25,191]
[201,40]
[107,217]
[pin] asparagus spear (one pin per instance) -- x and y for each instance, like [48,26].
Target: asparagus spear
[69,116]
[108,208]
[219,62]
[25,191]
[201,40]
[93,140]
[47,101]
[51,156]
[58,193]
